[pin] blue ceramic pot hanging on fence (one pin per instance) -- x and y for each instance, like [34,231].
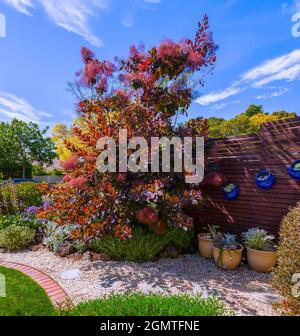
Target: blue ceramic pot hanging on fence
[265,180]
[294,170]
[231,191]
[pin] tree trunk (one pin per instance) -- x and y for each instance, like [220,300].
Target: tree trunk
[24,172]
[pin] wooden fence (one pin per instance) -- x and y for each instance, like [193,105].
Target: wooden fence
[240,158]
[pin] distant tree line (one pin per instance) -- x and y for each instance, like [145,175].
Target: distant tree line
[247,122]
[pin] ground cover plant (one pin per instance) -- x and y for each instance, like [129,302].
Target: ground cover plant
[23,296]
[143,94]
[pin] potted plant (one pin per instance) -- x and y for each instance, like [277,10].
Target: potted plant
[231,191]
[294,170]
[265,180]
[261,251]
[206,241]
[227,251]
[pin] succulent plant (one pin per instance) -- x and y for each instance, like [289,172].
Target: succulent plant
[258,239]
[226,241]
[212,230]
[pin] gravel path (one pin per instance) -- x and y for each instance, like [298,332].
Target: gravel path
[245,291]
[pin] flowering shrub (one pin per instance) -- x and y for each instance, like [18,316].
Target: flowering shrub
[143,94]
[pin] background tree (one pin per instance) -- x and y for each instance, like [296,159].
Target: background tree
[63,136]
[253,110]
[248,122]
[23,144]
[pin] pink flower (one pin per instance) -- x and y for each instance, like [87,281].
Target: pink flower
[109,68]
[67,178]
[168,48]
[93,69]
[70,164]
[87,54]
[78,182]
[195,59]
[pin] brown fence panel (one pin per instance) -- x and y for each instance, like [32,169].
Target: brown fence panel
[240,158]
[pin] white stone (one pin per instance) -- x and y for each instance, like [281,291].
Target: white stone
[70,274]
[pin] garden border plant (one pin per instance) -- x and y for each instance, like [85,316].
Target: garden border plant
[143,94]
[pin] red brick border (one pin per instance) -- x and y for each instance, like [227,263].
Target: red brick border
[55,292]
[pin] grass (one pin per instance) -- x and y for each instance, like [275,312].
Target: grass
[23,296]
[150,305]
[144,245]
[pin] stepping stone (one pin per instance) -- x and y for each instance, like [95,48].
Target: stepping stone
[266,296]
[70,274]
[147,288]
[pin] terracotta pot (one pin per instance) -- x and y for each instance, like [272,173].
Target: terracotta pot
[261,261]
[205,244]
[228,259]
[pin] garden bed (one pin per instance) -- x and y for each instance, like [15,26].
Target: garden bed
[244,291]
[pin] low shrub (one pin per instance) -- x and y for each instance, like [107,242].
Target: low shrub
[151,305]
[15,238]
[19,220]
[258,239]
[56,236]
[289,259]
[144,244]
[28,195]
[15,198]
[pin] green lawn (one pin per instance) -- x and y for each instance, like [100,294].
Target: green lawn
[23,296]
[150,305]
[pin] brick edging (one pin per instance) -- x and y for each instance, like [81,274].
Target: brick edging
[55,292]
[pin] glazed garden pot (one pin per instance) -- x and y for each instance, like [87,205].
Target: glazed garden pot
[261,261]
[206,245]
[228,259]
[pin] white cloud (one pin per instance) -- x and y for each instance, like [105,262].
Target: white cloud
[283,68]
[288,8]
[214,97]
[22,6]
[74,15]
[289,75]
[274,66]
[71,15]
[274,94]
[127,21]
[222,105]
[12,106]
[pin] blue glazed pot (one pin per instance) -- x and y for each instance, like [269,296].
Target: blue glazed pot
[233,194]
[265,180]
[293,172]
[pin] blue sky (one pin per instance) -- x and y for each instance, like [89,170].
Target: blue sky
[258,59]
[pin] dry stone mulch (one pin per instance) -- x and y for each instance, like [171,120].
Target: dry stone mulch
[245,291]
